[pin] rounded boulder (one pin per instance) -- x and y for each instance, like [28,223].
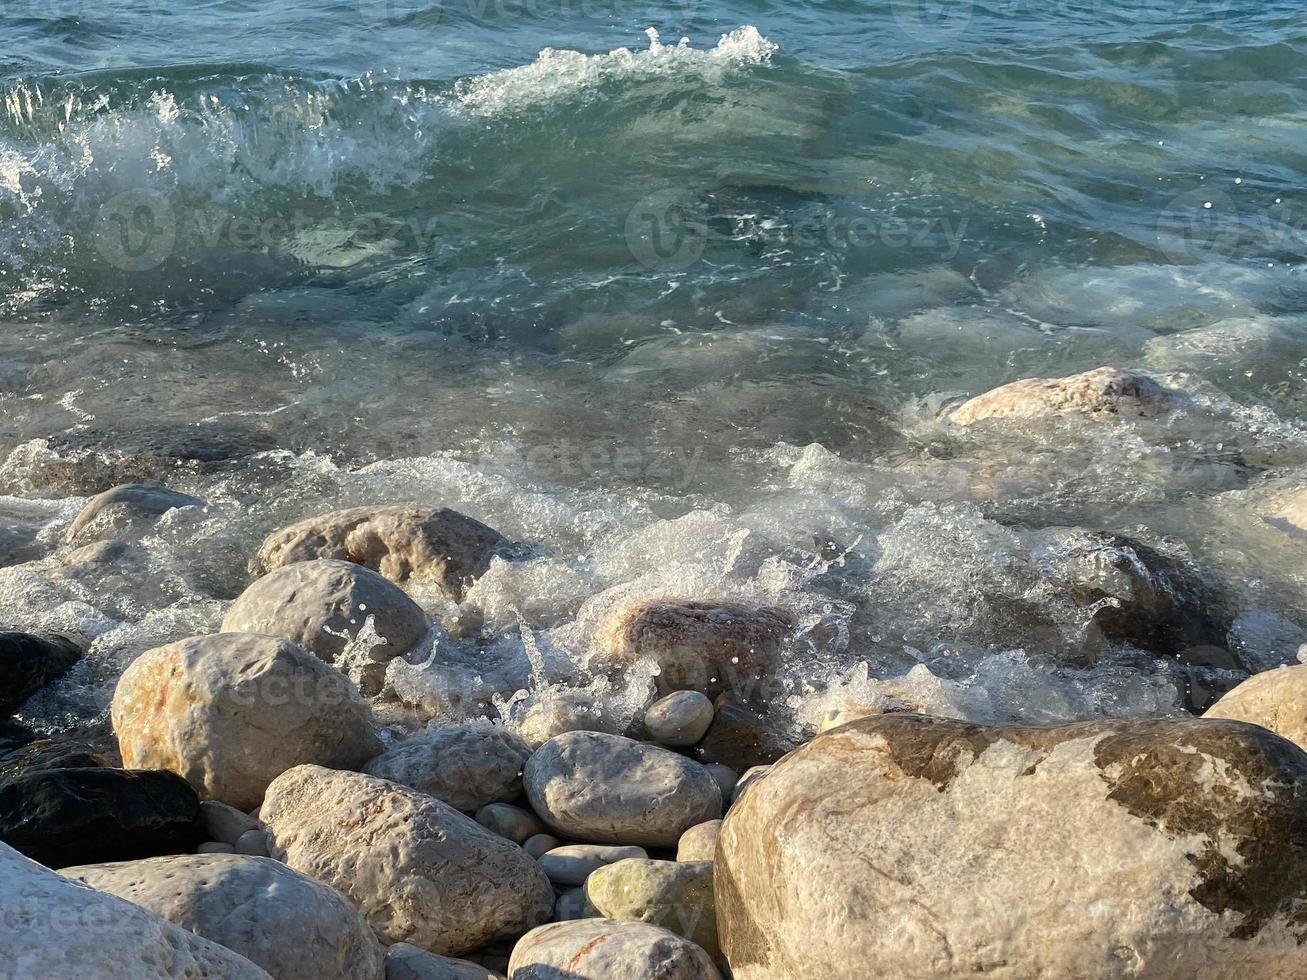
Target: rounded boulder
[418,870]
[468,766]
[232,711]
[251,905]
[608,949]
[1107,849]
[609,789]
[323,606]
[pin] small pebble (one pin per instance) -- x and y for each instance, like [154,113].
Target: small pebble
[215,847]
[680,719]
[699,843]
[540,844]
[510,821]
[571,864]
[254,843]
[225,823]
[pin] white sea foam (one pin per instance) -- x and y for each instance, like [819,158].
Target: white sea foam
[559,74]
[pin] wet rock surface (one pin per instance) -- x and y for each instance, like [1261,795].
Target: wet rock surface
[128,504]
[399,542]
[1103,391]
[324,604]
[64,816]
[699,646]
[468,766]
[28,662]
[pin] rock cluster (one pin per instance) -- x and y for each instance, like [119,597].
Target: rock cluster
[265,828]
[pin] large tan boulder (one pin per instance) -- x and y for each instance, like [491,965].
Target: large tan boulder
[251,905]
[418,870]
[608,789]
[58,929]
[1275,699]
[400,542]
[1105,391]
[324,606]
[928,849]
[607,949]
[710,647]
[232,711]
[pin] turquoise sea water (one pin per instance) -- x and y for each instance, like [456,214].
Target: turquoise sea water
[591,269]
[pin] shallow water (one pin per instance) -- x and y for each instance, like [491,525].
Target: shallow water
[679,316]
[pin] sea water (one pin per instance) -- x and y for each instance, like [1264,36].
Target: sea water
[674,295]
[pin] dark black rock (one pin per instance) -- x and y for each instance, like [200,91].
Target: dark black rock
[14,736]
[29,662]
[90,748]
[62,817]
[1170,608]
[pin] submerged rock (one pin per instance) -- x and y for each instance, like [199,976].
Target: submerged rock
[56,928]
[129,503]
[1101,392]
[614,790]
[607,949]
[323,605]
[710,647]
[675,895]
[1096,850]
[467,766]
[71,816]
[28,662]
[399,542]
[1139,595]
[292,926]
[1275,699]
[230,712]
[418,870]
[741,738]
